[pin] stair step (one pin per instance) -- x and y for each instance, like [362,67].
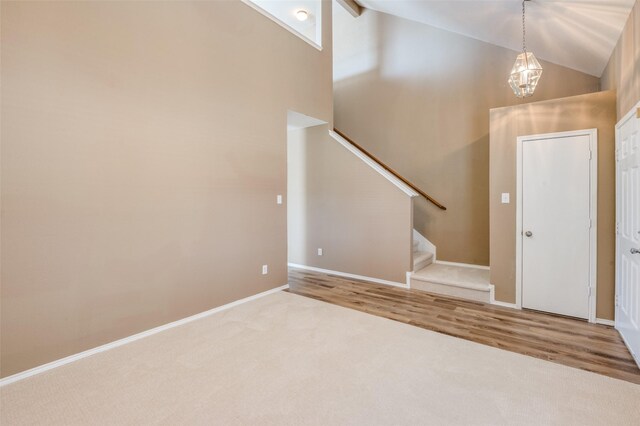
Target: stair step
[421,259]
[451,280]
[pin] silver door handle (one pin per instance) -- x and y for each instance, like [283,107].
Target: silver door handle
[528,233]
[635,251]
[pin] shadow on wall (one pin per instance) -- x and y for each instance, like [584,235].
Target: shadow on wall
[419,98]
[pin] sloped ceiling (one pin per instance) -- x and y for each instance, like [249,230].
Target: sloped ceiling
[578,34]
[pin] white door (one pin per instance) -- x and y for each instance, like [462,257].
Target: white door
[628,230]
[557,218]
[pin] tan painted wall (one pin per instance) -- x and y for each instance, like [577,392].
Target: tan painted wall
[419,98]
[597,110]
[338,203]
[143,145]
[623,70]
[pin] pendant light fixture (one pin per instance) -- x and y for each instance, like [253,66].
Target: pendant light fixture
[527,70]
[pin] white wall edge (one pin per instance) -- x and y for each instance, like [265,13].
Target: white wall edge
[375,166]
[283,25]
[463,265]
[610,323]
[72,358]
[347,275]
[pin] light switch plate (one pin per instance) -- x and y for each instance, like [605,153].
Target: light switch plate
[265,269]
[279,199]
[319,252]
[505,198]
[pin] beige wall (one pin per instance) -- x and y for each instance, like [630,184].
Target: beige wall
[623,70]
[589,111]
[419,98]
[143,145]
[338,203]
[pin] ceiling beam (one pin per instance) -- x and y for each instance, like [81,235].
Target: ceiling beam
[351,6]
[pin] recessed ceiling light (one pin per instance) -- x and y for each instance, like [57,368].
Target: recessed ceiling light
[302,15]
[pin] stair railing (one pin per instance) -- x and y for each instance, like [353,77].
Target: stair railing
[390,170]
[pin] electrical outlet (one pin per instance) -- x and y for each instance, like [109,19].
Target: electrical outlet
[265,269]
[319,252]
[279,199]
[505,198]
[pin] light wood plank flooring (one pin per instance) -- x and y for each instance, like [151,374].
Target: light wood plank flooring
[563,340]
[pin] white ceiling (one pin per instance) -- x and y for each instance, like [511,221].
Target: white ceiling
[578,34]
[285,11]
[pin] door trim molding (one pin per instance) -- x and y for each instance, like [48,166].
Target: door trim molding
[593,234]
[635,111]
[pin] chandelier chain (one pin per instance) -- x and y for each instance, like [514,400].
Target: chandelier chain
[524,46]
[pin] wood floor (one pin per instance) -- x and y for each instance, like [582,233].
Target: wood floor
[591,347]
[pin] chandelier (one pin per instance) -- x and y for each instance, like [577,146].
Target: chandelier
[527,70]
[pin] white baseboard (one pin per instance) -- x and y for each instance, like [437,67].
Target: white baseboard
[610,323]
[71,358]
[463,265]
[347,275]
[503,304]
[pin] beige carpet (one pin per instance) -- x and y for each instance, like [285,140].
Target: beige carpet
[288,360]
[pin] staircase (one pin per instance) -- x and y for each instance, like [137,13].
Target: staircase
[424,253]
[463,281]
[456,280]
[421,259]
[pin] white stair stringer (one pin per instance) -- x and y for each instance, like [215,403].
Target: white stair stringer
[420,243]
[421,259]
[424,252]
[466,282]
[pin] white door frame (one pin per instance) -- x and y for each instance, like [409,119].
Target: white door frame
[593,234]
[634,111]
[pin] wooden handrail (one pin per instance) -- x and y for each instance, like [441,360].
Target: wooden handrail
[390,170]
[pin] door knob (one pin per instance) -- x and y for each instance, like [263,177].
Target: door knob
[635,251]
[528,233]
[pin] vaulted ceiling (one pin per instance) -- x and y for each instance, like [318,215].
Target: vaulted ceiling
[578,34]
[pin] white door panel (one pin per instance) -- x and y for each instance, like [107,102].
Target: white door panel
[556,210]
[628,231]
